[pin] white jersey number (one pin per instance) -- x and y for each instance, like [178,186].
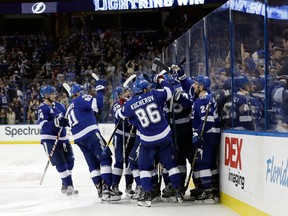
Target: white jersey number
[148,115]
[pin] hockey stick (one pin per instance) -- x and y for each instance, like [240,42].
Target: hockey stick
[182,61]
[166,67]
[201,137]
[124,145]
[128,80]
[106,150]
[95,76]
[67,87]
[162,65]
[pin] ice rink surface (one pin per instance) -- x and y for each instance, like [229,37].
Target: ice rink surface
[21,168]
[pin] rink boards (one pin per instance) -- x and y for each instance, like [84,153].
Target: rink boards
[253,167]
[30,134]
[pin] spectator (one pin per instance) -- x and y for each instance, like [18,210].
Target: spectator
[3,117]
[130,67]
[31,116]
[17,109]
[11,116]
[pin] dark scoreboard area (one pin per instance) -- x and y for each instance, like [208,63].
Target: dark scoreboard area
[48,6]
[30,16]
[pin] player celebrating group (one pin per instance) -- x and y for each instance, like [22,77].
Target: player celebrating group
[145,112]
[192,109]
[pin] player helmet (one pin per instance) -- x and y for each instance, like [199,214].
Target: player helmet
[139,85]
[203,80]
[119,90]
[45,91]
[241,81]
[76,88]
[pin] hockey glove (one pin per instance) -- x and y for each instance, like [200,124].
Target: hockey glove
[197,142]
[60,121]
[100,85]
[180,73]
[157,78]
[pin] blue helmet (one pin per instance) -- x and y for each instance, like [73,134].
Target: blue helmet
[76,88]
[119,90]
[47,90]
[241,81]
[139,85]
[203,80]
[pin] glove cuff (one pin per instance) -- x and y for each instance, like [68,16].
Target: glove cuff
[100,88]
[160,80]
[182,77]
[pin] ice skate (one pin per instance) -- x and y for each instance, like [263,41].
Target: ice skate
[215,191]
[179,196]
[99,189]
[64,189]
[138,193]
[195,192]
[156,193]
[71,192]
[108,194]
[168,194]
[129,191]
[115,189]
[145,199]
[206,197]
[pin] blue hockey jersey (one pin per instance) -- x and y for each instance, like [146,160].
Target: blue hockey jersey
[200,107]
[182,110]
[81,115]
[146,113]
[127,125]
[46,115]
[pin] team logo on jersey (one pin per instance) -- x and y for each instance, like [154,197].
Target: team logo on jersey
[38,8]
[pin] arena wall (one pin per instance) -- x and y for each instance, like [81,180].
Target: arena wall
[30,134]
[253,172]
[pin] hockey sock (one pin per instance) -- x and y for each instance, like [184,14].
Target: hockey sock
[64,174]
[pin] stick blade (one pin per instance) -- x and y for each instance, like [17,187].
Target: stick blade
[95,76]
[162,65]
[183,61]
[128,80]
[67,88]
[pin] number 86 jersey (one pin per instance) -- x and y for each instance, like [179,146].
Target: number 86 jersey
[145,112]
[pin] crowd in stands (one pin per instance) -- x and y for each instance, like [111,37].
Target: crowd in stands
[28,62]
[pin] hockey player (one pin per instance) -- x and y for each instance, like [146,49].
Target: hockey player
[120,142]
[51,119]
[145,111]
[181,123]
[206,137]
[85,130]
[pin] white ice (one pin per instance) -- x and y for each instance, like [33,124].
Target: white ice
[21,168]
